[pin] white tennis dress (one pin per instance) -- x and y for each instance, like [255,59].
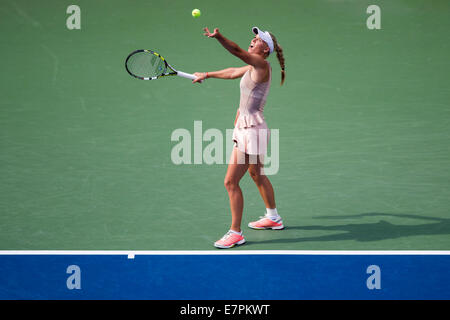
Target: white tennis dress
[251,134]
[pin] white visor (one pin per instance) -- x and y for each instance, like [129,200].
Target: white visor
[265,36]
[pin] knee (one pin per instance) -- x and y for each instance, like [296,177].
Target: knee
[230,184]
[256,176]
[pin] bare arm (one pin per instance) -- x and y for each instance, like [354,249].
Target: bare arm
[251,59]
[229,73]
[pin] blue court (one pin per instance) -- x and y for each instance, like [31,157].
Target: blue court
[217,276]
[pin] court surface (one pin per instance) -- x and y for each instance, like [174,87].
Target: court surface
[363,122]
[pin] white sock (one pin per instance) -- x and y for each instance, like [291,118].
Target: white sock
[239,233]
[272,213]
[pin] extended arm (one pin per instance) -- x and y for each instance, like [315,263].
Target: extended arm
[229,73]
[251,59]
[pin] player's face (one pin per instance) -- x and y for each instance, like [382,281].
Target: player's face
[258,46]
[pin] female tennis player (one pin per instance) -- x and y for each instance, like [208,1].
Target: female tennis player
[251,134]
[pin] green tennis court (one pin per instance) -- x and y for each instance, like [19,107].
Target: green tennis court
[363,120]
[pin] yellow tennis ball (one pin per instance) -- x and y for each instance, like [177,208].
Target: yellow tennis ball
[196,13]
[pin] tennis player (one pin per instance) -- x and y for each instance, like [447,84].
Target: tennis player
[251,134]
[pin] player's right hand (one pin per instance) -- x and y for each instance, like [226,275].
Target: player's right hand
[200,77]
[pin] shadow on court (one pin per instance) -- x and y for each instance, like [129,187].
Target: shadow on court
[380,230]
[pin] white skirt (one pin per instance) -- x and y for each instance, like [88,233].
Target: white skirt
[253,140]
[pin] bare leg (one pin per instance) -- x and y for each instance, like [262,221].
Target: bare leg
[263,183]
[236,169]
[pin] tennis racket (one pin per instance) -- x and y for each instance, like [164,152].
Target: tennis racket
[149,65]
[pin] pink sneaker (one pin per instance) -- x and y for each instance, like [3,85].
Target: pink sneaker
[229,240]
[267,223]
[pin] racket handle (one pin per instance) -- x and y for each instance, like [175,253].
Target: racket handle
[186,75]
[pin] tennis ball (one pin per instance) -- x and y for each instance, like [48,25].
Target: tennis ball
[196,13]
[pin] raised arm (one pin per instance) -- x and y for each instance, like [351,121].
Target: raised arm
[251,59]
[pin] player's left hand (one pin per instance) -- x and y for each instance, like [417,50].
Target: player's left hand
[209,34]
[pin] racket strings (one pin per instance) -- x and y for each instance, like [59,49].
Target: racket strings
[143,64]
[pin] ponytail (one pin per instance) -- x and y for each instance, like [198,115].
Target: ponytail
[280,57]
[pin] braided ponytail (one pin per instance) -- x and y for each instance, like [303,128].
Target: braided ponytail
[280,57]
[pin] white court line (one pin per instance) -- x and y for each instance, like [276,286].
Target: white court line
[132,253]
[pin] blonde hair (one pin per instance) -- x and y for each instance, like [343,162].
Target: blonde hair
[280,57]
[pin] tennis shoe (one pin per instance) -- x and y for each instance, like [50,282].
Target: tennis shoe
[267,223]
[229,240]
